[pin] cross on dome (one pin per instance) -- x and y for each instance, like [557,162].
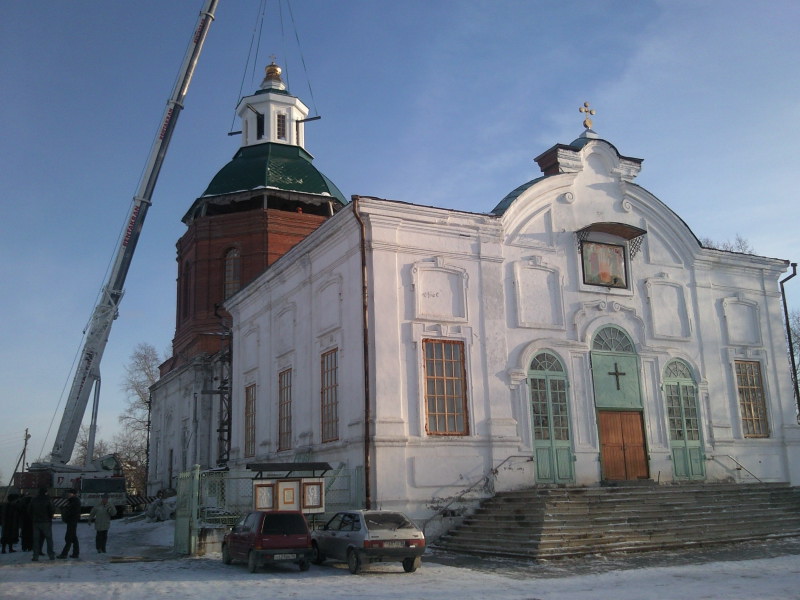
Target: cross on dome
[587,122]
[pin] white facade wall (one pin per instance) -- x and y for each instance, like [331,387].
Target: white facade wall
[509,287]
[306,304]
[183,424]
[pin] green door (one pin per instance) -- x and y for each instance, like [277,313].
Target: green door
[616,380]
[688,457]
[550,420]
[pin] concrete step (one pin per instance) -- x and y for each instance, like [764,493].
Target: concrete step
[571,522]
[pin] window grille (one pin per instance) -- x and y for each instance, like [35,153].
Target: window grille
[186,290]
[752,401]
[250,420]
[285,409]
[612,339]
[548,395]
[445,388]
[281,127]
[329,392]
[233,277]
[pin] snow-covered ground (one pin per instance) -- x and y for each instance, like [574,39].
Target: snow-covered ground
[139,565]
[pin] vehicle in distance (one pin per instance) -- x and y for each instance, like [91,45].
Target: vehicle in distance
[269,537]
[361,537]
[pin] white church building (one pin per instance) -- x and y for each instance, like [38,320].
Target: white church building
[576,334]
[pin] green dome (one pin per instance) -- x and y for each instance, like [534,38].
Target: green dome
[271,165]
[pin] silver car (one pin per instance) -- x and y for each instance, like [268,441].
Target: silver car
[361,537]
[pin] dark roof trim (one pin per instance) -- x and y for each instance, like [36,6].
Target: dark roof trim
[622,230]
[633,234]
[288,468]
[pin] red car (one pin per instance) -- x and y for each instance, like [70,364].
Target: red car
[269,537]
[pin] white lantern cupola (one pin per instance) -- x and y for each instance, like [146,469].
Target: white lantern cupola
[272,114]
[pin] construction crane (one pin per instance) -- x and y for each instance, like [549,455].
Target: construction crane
[87,373]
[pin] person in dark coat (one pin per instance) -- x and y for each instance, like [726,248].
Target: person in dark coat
[10,535]
[41,512]
[71,514]
[25,523]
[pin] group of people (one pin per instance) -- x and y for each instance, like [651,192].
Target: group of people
[29,520]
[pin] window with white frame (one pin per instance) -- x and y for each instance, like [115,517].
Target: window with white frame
[250,420]
[281,127]
[445,388]
[329,395]
[285,410]
[752,400]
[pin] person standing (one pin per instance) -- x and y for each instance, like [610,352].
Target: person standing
[71,514]
[10,521]
[101,517]
[41,511]
[25,523]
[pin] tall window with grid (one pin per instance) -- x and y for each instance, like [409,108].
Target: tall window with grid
[250,420]
[186,289]
[445,388]
[329,395]
[285,410]
[549,408]
[681,393]
[233,272]
[752,401]
[281,127]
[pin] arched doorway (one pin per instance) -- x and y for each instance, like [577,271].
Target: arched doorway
[680,390]
[618,400]
[550,423]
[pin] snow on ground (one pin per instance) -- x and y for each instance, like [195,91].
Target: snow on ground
[140,565]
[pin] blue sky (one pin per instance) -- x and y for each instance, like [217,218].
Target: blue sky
[436,102]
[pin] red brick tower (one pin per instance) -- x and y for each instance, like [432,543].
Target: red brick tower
[262,203]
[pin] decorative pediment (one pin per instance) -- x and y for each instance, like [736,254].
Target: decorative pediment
[440,291]
[538,294]
[742,321]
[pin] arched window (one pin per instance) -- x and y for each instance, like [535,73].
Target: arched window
[612,339]
[232,276]
[186,276]
[547,383]
[681,396]
[683,414]
[548,398]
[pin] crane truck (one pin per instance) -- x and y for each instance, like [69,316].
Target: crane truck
[105,474]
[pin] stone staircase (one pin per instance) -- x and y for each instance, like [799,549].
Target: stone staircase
[553,523]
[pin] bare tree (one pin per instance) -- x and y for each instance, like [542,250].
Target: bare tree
[140,373]
[739,244]
[130,444]
[794,325]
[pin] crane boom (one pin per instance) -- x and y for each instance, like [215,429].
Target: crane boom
[87,371]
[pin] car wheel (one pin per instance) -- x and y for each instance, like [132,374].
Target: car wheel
[317,557]
[353,561]
[252,562]
[226,555]
[411,563]
[304,565]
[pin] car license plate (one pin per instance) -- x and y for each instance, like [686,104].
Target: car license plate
[284,556]
[393,544]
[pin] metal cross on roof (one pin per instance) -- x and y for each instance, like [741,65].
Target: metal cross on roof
[587,122]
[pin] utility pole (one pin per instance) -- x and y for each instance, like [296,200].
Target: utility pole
[25,447]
